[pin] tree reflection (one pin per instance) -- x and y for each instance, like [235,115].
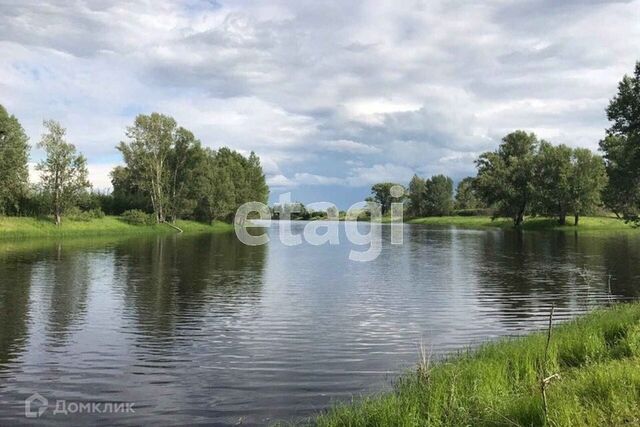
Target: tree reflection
[15,287]
[182,279]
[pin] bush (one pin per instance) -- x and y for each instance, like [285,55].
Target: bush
[77,214]
[474,212]
[137,217]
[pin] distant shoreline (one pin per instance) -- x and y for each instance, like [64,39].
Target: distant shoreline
[587,224]
[27,227]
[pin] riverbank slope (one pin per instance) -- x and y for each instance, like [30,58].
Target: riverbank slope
[596,359]
[19,227]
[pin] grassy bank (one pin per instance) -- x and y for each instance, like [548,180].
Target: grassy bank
[585,224]
[12,227]
[596,357]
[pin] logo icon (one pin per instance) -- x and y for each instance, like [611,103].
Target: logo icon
[35,405]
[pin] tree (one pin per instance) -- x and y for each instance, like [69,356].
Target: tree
[256,180]
[587,180]
[225,181]
[505,175]
[416,196]
[63,172]
[14,156]
[621,148]
[381,193]
[332,212]
[151,140]
[215,189]
[126,194]
[567,181]
[466,197]
[621,194]
[552,181]
[438,199]
[183,162]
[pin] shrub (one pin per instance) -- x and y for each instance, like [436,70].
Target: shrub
[474,212]
[76,214]
[136,217]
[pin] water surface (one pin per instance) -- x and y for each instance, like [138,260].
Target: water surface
[203,329]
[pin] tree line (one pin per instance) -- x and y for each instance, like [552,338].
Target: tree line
[529,176]
[167,175]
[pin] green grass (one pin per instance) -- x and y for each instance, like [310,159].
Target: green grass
[595,224]
[17,227]
[597,358]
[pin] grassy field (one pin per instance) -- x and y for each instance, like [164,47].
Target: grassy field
[595,224]
[597,359]
[12,227]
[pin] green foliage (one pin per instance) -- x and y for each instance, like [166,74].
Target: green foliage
[587,182]
[74,213]
[552,180]
[473,212]
[14,155]
[416,190]
[505,176]
[621,194]
[225,181]
[499,383]
[381,193]
[295,211]
[151,141]
[438,196]
[567,181]
[169,173]
[621,148]
[466,197]
[126,193]
[137,217]
[63,172]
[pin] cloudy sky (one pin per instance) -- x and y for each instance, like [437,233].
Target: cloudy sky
[333,95]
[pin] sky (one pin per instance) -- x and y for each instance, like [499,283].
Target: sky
[332,95]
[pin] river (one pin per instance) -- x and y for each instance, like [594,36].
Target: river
[202,329]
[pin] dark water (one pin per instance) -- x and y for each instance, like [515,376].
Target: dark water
[202,329]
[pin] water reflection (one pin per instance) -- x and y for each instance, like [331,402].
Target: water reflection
[205,329]
[15,285]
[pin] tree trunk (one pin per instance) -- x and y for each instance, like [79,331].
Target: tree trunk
[517,221]
[519,218]
[576,218]
[562,220]
[56,207]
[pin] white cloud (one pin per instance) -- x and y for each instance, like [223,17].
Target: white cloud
[401,87]
[348,146]
[280,181]
[365,176]
[98,175]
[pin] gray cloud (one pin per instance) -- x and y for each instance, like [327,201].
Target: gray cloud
[328,93]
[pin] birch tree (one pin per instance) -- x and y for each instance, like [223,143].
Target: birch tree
[151,140]
[63,172]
